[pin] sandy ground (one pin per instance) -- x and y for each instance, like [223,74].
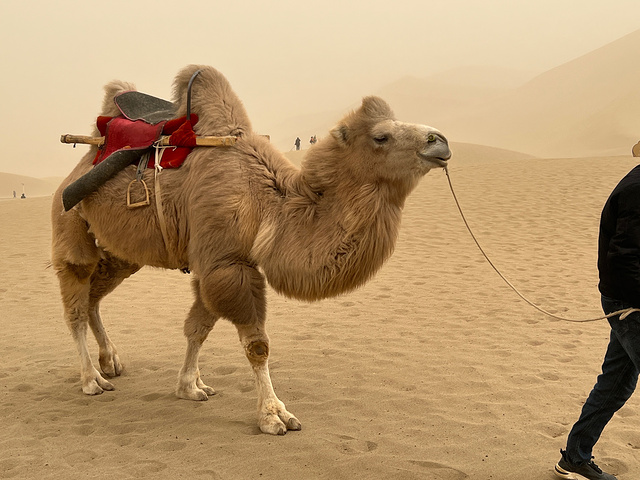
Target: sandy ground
[435,370]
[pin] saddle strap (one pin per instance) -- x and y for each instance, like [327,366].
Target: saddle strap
[158,194]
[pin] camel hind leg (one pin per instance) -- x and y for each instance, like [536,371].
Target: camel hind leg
[75,285]
[85,277]
[109,273]
[82,287]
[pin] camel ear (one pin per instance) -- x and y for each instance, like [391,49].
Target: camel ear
[375,107]
[340,133]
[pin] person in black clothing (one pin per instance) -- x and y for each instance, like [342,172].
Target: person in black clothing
[619,270]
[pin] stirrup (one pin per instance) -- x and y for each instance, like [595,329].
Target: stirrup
[142,203]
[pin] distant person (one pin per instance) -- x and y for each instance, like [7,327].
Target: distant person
[313,140]
[14,194]
[23,196]
[297,143]
[619,270]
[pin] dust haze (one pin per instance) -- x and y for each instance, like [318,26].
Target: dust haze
[298,66]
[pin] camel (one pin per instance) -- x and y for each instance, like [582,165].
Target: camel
[239,217]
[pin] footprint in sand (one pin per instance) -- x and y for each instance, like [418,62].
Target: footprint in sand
[352,446]
[551,430]
[302,337]
[210,474]
[246,386]
[147,467]
[613,465]
[150,397]
[225,370]
[633,440]
[83,430]
[23,387]
[169,446]
[626,412]
[438,471]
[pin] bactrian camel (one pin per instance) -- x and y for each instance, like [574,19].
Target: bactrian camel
[239,217]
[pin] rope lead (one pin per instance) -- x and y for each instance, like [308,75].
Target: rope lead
[623,313]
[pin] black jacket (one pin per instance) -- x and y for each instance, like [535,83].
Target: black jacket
[619,241]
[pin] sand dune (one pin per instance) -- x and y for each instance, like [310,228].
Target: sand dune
[432,100]
[434,370]
[33,187]
[588,106]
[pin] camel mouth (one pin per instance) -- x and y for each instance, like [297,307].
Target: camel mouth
[437,161]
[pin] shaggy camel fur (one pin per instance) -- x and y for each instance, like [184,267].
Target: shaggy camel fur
[238,217]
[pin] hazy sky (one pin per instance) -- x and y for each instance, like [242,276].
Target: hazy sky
[283,57]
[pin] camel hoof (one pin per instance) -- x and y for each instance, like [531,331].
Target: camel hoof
[279,424]
[111,368]
[272,425]
[195,394]
[110,362]
[96,386]
[208,390]
[294,424]
[92,390]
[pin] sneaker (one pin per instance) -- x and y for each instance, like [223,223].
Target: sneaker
[585,471]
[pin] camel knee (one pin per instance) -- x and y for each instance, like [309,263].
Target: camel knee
[257,352]
[71,273]
[200,321]
[196,330]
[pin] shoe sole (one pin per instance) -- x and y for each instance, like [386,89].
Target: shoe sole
[562,473]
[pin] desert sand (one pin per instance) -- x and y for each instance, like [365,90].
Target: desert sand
[434,370]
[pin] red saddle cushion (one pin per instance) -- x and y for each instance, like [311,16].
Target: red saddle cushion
[121,133]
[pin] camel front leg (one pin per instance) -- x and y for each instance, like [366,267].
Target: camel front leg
[273,417]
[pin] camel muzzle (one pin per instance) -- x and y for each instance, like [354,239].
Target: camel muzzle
[437,150]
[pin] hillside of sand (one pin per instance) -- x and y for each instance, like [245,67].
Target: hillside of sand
[32,187]
[586,107]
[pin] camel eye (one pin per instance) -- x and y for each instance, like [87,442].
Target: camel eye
[381,139]
[431,138]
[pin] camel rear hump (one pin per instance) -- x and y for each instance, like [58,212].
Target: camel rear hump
[220,111]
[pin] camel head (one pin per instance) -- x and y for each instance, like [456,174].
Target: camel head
[375,147]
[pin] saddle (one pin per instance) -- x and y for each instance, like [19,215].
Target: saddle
[129,136]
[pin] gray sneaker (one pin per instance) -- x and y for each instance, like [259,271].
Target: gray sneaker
[586,471]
